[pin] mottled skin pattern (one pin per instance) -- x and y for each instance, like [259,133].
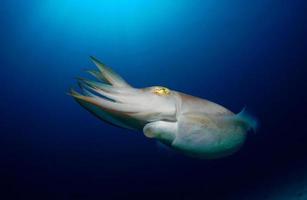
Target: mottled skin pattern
[188,124]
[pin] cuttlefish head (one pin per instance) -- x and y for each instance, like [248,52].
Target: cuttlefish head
[113,100]
[194,126]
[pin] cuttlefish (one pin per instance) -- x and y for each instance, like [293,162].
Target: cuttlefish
[193,126]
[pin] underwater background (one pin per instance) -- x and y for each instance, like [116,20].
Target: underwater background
[235,53]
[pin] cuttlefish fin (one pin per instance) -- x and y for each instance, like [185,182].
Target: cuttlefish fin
[248,119]
[109,75]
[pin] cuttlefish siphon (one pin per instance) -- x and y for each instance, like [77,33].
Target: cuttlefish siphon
[193,126]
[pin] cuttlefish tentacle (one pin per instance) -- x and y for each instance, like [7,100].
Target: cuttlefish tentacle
[191,125]
[101,90]
[108,74]
[97,75]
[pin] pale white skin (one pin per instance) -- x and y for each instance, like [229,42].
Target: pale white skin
[191,125]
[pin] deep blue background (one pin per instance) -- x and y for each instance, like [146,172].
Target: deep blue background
[236,53]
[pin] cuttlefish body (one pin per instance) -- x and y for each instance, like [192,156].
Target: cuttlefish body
[188,124]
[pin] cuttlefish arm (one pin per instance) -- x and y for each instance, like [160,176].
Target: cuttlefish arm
[191,125]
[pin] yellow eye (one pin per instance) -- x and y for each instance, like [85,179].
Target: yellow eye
[161,91]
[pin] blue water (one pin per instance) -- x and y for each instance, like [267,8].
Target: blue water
[235,53]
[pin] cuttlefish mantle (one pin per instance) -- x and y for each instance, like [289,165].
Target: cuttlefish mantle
[188,124]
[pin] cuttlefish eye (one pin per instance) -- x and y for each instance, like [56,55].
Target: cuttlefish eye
[161,91]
